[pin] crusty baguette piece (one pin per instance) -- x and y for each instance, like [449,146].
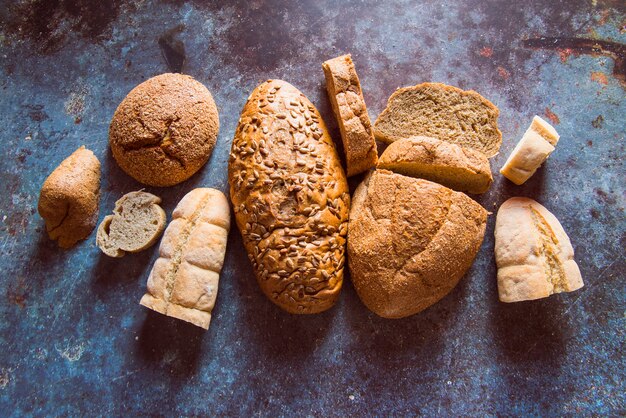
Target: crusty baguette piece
[290,197]
[184,280]
[531,151]
[461,169]
[534,255]
[409,242]
[444,112]
[69,198]
[346,98]
[136,224]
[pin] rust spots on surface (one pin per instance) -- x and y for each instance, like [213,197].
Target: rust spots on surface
[503,73]
[552,116]
[564,54]
[599,77]
[17,292]
[486,52]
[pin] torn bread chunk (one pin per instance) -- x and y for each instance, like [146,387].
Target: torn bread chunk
[184,279]
[534,255]
[531,151]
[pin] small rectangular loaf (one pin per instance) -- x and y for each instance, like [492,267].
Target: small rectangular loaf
[346,98]
[184,279]
[531,151]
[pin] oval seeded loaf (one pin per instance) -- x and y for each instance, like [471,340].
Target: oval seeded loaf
[69,198]
[290,198]
[184,279]
[461,169]
[444,112]
[409,242]
[534,255]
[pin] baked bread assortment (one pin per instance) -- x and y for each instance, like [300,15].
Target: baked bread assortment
[461,169]
[346,98]
[534,255]
[136,224]
[290,198]
[184,279]
[409,242]
[531,151]
[69,197]
[164,130]
[443,112]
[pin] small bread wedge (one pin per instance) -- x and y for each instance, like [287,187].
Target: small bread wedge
[136,224]
[534,255]
[461,169]
[346,98]
[444,112]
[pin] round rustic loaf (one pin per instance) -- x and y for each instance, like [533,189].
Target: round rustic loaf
[164,130]
[409,242]
[290,198]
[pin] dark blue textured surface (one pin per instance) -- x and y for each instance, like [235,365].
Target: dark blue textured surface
[74,339]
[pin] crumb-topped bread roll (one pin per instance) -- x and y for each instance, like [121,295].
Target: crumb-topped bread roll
[534,255]
[290,198]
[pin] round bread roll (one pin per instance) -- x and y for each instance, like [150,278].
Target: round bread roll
[164,130]
[409,242]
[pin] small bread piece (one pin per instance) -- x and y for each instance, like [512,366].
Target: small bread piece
[534,255]
[346,98]
[290,197]
[164,130]
[136,224]
[531,151]
[461,169]
[184,280]
[409,242]
[444,112]
[69,198]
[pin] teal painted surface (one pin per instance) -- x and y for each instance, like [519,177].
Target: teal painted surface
[75,340]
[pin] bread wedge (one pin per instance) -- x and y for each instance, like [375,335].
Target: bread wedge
[409,242]
[444,112]
[461,169]
[136,224]
[534,255]
[346,98]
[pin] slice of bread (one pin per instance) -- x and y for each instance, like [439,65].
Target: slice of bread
[534,255]
[444,112]
[136,224]
[346,98]
[461,169]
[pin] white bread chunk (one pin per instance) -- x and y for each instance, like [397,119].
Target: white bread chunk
[531,151]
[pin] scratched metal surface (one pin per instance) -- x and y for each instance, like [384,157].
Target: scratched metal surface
[75,341]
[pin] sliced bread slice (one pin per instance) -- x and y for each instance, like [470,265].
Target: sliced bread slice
[136,224]
[346,97]
[461,169]
[444,112]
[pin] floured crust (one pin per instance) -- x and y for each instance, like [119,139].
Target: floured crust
[534,255]
[409,242]
[461,169]
[290,198]
[69,198]
[346,98]
[184,280]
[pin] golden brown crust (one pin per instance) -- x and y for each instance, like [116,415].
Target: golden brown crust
[461,169]
[346,98]
[164,130]
[409,242]
[290,198]
[443,112]
[69,198]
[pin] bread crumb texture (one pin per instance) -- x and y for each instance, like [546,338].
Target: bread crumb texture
[164,130]
[409,242]
[443,112]
[534,255]
[69,198]
[184,280]
[290,198]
